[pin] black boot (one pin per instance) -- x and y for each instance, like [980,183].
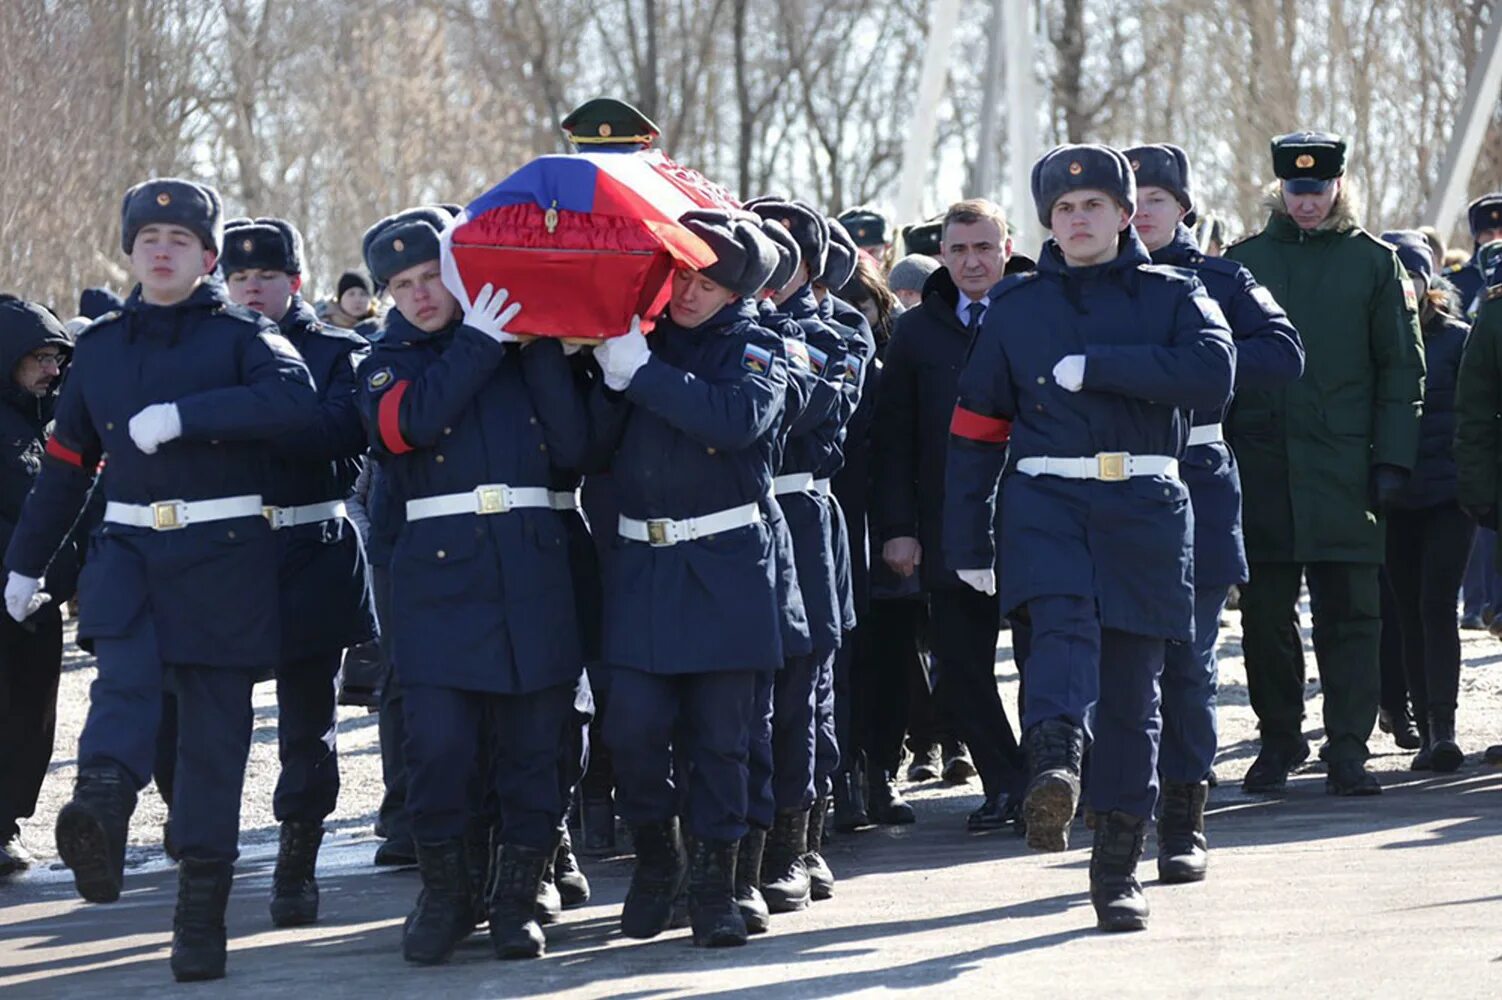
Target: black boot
[1351,778]
[573,885]
[1423,760]
[1054,748]
[1399,724]
[1183,852]
[92,830]
[519,872]
[713,913]
[784,879]
[849,804]
[660,871]
[1268,774]
[445,911]
[820,878]
[884,802]
[549,899]
[1445,754]
[598,816]
[198,925]
[1114,890]
[748,882]
[294,889]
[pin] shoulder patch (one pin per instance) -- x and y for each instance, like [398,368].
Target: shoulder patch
[1410,294]
[817,359]
[797,352]
[852,367]
[379,379]
[756,359]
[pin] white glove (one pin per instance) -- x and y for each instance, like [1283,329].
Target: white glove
[620,357]
[489,314]
[1070,372]
[983,580]
[155,425]
[24,596]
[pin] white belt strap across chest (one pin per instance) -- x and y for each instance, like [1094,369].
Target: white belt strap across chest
[665,531]
[1206,434]
[169,515]
[1108,466]
[312,513]
[492,498]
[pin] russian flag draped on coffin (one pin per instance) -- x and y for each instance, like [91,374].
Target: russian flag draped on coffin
[584,242]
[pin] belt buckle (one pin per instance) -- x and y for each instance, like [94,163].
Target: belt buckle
[1112,466]
[275,516]
[657,533]
[492,499]
[169,515]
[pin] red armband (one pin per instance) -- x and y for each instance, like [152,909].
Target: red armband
[974,427]
[388,415]
[63,453]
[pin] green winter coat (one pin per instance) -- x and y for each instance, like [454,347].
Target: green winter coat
[1478,403]
[1306,450]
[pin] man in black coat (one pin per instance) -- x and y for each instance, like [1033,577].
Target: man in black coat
[918,395]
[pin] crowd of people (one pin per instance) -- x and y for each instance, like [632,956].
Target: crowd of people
[718,576]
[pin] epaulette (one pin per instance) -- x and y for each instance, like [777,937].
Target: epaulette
[1245,239]
[1010,283]
[1358,231]
[1169,271]
[244,314]
[1220,265]
[339,333]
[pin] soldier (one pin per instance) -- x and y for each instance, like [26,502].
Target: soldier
[919,386]
[183,389]
[34,352]
[1321,459]
[1484,218]
[1077,382]
[1268,355]
[691,615]
[470,427]
[868,229]
[325,585]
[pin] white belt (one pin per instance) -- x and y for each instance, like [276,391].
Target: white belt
[1206,434]
[821,486]
[495,498]
[167,515]
[664,531]
[563,499]
[1109,466]
[312,513]
[793,482]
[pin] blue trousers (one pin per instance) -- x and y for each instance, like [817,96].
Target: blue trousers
[213,735]
[1074,666]
[826,720]
[448,743]
[711,714]
[1190,678]
[307,734]
[761,803]
[795,729]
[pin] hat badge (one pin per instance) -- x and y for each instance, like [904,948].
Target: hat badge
[248,245]
[1304,162]
[605,130]
[164,199]
[1076,168]
[1496,214]
[398,245]
[1136,165]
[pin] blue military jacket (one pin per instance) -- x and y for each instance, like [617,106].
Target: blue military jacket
[860,349]
[694,434]
[1268,354]
[479,602]
[325,583]
[1154,344]
[210,588]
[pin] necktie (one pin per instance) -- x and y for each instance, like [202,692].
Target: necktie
[976,310]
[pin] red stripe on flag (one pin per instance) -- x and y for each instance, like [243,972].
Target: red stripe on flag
[389,419]
[975,427]
[63,453]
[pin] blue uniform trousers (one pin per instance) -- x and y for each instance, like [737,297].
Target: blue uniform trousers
[213,735]
[448,742]
[307,731]
[796,738]
[761,802]
[1074,664]
[826,730]
[716,711]
[1190,677]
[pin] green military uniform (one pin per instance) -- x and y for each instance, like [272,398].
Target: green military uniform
[1311,453]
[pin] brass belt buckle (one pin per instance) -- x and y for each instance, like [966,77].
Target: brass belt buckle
[1112,466]
[657,533]
[493,500]
[166,515]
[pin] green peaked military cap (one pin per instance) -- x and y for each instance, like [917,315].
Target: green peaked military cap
[605,121]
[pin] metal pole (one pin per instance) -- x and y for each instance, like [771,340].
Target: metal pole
[1482,91]
[917,151]
[988,146]
[1022,123]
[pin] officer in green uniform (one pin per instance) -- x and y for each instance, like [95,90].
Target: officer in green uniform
[1320,459]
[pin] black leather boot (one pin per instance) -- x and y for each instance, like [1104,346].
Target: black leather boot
[1423,761]
[820,878]
[198,938]
[1445,754]
[294,889]
[549,899]
[572,883]
[92,829]
[884,802]
[1399,724]
[661,868]
[1183,851]
[445,911]
[1268,774]
[713,913]
[784,879]
[519,872]
[748,882]
[1054,748]
[1114,889]
[849,804]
